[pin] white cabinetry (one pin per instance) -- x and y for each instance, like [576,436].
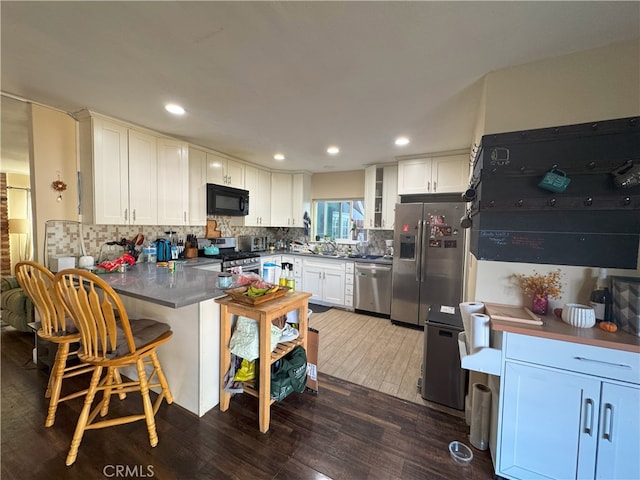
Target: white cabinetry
[118,171]
[348,284]
[224,171]
[258,183]
[143,179]
[173,182]
[438,174]
[325,280]
[568,411]
[380,196]
[197,187]
[290,198]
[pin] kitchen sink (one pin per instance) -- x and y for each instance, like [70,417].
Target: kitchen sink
[367,257]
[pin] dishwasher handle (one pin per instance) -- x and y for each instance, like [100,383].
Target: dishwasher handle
[371,266]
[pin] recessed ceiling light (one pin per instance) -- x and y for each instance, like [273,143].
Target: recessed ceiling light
[173,108]
[333,150]
[402,141]
[278,156]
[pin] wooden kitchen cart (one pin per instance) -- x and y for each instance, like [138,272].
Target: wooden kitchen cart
[264,313]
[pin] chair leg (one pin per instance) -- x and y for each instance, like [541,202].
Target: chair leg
[118,379]
[84,416]
[146,403]
[161,378]
[55,382]
[106,393]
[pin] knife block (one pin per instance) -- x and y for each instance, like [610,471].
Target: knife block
[190,252]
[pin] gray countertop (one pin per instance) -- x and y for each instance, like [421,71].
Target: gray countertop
[185,286]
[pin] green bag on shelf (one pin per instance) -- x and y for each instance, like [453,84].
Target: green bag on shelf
[289,374]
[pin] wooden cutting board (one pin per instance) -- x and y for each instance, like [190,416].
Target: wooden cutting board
[512,313]
[212,231]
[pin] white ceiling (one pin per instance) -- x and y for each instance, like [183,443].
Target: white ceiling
[258,78]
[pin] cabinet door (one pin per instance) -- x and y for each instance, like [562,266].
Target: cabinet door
[549,424]
[369,196]
[110,173]
[312,280]
[197,187]
[264,198]
[258,183]
[414,176]
[216,169]
[300,198]
[619,442]
[143,179]
[234,174]
[173,182]
[333,287]
[252,185]
[389,196]
[450,173]
[281,198]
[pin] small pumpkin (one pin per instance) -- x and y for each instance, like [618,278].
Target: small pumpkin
[608,326]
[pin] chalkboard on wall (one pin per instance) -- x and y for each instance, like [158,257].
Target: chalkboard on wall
[592,222]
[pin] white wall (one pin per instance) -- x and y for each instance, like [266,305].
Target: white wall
[338,185]
[587,86]
[54,155]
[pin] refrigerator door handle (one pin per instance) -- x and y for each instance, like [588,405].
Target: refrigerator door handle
[423,246]
[419,252]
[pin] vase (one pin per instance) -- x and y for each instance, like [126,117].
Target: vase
[539,304]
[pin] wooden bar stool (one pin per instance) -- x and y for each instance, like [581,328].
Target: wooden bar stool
[111,340]
[37,282]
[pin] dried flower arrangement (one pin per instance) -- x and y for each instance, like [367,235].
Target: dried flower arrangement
[59,185]
[537,284]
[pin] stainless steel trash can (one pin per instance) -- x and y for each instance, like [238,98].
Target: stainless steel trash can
[443,379]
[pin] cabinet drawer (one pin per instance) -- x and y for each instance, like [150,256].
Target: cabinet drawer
[348,289]
[348,300]
[350,267]
[348,279]
[576,357]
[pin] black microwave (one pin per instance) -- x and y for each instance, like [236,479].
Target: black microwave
[221,200]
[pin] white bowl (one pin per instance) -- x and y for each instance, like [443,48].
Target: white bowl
[577,315]
[460,453]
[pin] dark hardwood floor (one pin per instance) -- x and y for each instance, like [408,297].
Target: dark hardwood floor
[344,432]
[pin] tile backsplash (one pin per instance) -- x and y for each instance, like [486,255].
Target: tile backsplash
[63,237]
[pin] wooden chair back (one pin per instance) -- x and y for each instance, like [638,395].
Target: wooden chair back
[37,282]
[97,311]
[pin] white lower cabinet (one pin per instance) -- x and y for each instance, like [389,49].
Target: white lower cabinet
[559,422]
[325,280]
[348,284]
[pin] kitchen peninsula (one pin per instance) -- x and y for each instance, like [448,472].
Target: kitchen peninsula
[183,299]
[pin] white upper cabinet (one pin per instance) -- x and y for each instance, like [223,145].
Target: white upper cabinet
[389,196]
[258,182]
[197,187]
[118,172]
[104,170]
[173,182]
[224,171]
[143,186]
[301,198]
[441,174]
[380,196]
[290,199]
[281,198]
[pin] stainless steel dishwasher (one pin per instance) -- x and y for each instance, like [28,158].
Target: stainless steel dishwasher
[373,287]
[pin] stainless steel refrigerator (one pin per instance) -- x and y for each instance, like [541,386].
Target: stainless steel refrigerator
[428,259]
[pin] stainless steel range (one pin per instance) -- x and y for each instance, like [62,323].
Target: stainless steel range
[224,249]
